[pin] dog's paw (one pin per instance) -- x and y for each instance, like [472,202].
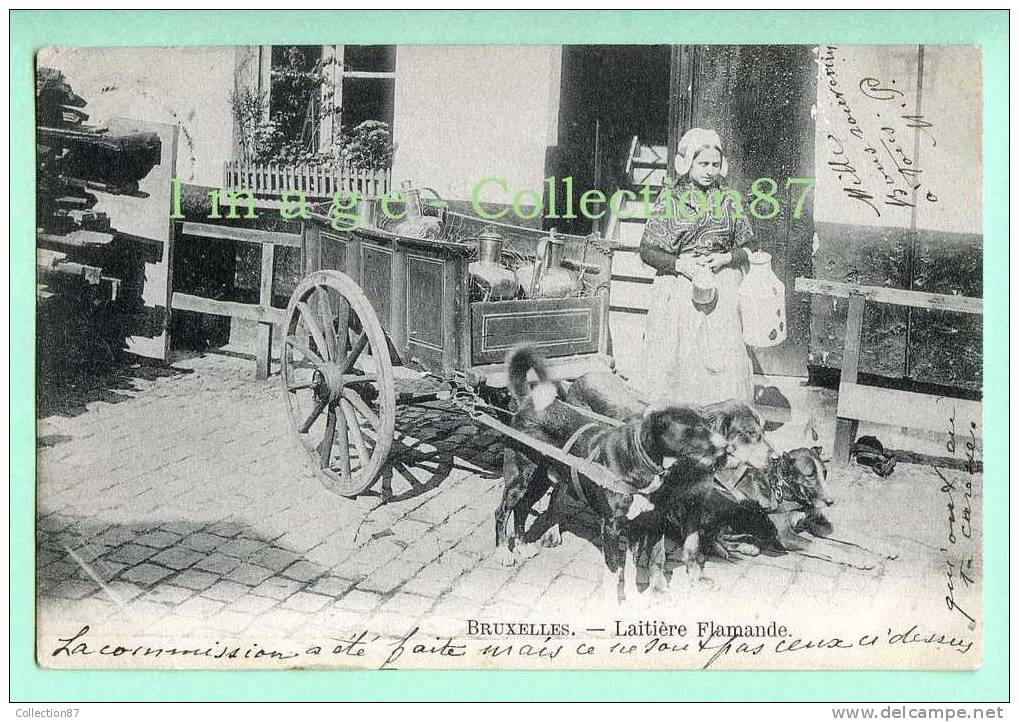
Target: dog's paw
[505,557]
[551,538]
[525,551]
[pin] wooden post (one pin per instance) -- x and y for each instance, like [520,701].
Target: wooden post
[263,339]
[845,429]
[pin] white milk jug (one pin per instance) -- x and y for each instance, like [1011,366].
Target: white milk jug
[762,304]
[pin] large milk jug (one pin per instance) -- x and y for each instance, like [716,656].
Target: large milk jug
[762,304]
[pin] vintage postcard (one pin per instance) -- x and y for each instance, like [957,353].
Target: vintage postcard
[535,357]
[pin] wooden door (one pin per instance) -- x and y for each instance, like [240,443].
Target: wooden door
[759,100]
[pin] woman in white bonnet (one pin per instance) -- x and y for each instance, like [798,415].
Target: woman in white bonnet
[693,339]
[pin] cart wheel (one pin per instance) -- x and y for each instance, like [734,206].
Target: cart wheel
[337,380]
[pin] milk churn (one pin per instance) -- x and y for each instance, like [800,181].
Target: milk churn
[762,304]
[497,283]
[415,223]
[546,278]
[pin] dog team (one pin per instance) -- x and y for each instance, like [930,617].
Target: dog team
[706,477]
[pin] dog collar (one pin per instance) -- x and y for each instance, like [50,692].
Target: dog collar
[645,458]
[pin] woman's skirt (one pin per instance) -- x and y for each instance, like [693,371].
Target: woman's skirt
[695,354]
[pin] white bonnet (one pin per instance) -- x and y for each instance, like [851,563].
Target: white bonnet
[694,141]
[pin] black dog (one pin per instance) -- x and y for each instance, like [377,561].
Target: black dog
[636,452]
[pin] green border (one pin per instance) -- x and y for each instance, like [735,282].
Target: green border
[31,30]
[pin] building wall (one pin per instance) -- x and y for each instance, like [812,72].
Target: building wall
[187,86]
[463,113]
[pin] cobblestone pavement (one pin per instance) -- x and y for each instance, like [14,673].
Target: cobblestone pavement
[176,502]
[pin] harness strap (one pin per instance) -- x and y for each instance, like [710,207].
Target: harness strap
[574,477]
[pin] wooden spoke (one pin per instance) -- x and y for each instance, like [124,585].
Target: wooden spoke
[320,404]
[316,333]
[362,341]
[325,312]
[360,378]
[325,447]
[301,385]
[358,403]
[301,346]
[356,433]
[343,432]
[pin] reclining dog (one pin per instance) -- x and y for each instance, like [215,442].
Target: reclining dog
[637,452]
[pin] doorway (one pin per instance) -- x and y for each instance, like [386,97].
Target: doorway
[610,93]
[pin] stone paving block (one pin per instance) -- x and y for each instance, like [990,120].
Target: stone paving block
[178,558]
[426,549]
[240,547]
[571,589]
[457,529]
[253,604]
[277,588]
[410,530]
[226,529]
[146,574]
[123,591]
[182,528]
[218,564]
[74,589]
[390,576]
[360,601]
[332,586]
[458,559]
[145,614]
[130,554]
[58,570]
[195,579]
[303,571]
[274,558]
[250,574]
[540,570]
[482,584]
[306,602]
[226,591]
[202,542]
[158,539]
[168,594]
[522,593]
[433,580]
[412,605]
[357,567]
[199,607]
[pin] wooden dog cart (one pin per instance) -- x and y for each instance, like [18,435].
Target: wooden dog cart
[373,299]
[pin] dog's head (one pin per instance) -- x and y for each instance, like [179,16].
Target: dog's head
[803,474]
[760,487]
[743,429]
[682,434]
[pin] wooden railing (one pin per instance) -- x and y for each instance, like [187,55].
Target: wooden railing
[268,180]
[263,312]
[858,403]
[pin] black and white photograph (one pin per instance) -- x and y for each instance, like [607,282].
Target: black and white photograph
[629,357]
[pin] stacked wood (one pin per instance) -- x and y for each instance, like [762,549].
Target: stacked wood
[79,263]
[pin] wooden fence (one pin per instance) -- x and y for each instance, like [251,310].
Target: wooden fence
[263,312]
[889,406]
[272,181]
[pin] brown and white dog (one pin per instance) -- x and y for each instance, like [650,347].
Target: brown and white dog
[637,452]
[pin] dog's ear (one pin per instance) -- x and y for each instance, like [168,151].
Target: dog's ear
[719,417]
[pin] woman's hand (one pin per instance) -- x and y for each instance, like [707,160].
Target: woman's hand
[687,266]
[717,261]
